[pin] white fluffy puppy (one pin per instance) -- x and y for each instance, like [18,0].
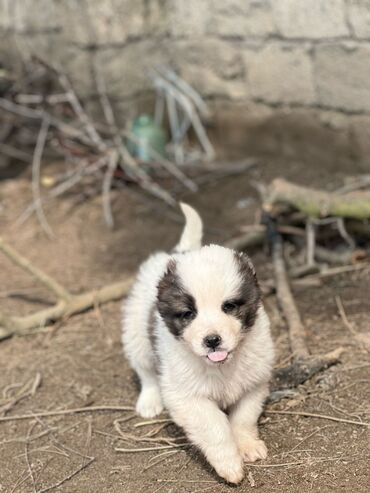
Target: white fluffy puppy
[196,332]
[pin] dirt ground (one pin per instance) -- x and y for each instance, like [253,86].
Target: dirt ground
[81,364]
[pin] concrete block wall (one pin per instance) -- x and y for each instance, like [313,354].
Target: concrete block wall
[300,52]
[289,54]
[121,37]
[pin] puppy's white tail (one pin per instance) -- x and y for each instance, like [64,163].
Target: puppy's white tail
[191,237]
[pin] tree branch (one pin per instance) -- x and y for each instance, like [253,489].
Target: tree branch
[63,309]
[26,265]
[286,301]
[318,203]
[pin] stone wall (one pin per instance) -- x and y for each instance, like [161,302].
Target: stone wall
[299,52]
[121,37]
[283,55]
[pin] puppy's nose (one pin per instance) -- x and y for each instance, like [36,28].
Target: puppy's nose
[212,341]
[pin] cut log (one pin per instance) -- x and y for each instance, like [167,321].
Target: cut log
[317,203]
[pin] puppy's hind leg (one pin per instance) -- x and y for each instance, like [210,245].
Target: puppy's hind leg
[149,403]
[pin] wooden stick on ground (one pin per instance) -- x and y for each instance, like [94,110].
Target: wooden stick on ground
[318,203]
[36,174]
[362,339]
[250,239]
[304,365]
[66,305]
[65,412]
[26,265]
[63,309]
[320,416]
[286,301]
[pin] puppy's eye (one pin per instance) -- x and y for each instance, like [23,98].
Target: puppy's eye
[230,306]
[185,316]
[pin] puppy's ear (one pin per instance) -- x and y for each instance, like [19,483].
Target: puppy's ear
[249,290]
[169,279]
[246,268]
[171,267]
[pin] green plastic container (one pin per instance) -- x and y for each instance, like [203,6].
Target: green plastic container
[149,136]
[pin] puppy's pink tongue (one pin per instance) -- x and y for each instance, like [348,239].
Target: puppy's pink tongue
[217,356]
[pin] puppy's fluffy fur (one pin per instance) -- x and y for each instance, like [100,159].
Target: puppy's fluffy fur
[196,332]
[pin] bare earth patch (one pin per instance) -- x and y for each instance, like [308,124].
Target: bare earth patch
[79,362]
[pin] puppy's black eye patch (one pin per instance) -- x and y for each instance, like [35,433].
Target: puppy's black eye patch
[231,306]
[176,306]
[186,316]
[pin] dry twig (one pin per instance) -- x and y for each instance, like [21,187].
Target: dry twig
[36,173]
[165,456]
[320,416]
[29,389]
[65,412]
[83,466]
[362,339]
[152,449]
[286,301]
[66,306]
[29,466]
[107,184]
[39,275]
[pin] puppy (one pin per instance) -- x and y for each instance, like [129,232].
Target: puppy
[196,333]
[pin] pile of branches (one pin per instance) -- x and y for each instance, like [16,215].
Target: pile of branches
[308,232]
[321,228]
[42,112]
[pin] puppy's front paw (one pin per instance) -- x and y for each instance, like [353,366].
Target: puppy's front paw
[232,473]
[252,449]
[149,403]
